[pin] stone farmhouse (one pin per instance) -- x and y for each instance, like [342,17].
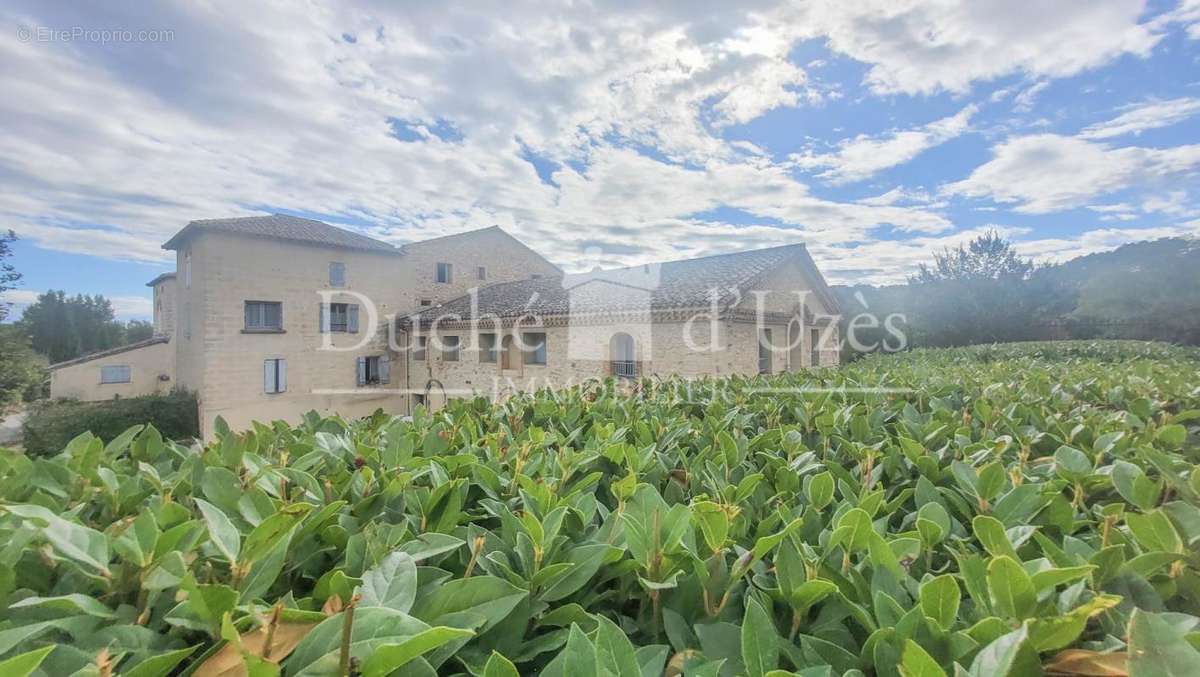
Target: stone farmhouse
[267,317]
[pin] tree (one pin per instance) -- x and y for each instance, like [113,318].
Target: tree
[65,327]
[987,257]
[21,369]
[983,292]
[9,277]
[138,330]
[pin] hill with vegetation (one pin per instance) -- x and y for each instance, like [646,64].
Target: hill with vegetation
[984,292]
[989,511]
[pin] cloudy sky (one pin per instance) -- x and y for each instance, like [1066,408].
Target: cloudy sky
[600,133]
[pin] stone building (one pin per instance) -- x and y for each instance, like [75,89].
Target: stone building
[267,317]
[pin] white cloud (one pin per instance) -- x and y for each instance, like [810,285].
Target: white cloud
[1057,250]
[917,47]
[124,307]
[107,150]
[1023,102]
[1139,117]
[864,156]
[1046,173]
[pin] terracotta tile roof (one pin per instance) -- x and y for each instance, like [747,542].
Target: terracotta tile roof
[284,227]
[161,278]
[158,338]
[688,283]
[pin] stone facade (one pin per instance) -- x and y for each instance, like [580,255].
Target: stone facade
[149,365]
[318,360]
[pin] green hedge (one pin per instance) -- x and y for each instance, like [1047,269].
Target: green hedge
[50,425]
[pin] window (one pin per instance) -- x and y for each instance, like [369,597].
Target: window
[488,349]
[814,347]
[764,352]
[337,274]
[339,318]
[373,370]
[274,375]
[264,316]
[450,349]
[187,269]
[118,373]
[534,348]
[418,400]
[419,348]
[481,272]
[535,276]
[445,273]
[425,303]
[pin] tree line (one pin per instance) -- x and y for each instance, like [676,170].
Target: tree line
[54,328]
[985,292]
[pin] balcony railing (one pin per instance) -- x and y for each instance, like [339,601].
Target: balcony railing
[624,368]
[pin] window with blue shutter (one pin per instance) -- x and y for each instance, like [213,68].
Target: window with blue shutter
[274,375]
[339,318]
[337,274]
[373,370]
[445,273]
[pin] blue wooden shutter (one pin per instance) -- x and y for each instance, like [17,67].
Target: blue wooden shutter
[352,322]
[384,369]
[269,376]
[281,375]
[323,321]
[362,371]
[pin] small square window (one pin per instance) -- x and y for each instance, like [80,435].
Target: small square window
[481,272]
[445,273]
[534,350]
[264,316]
[425,303]
[337,274]
[118,373]
[418,399]
[450,349]
[488,348]
[419,348]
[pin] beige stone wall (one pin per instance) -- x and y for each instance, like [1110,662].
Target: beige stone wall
[215,357]
[781,291]
[146,365]
[505,258]
[164,307]
[578,353]
[227,271]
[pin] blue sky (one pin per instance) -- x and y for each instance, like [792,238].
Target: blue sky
[599,133]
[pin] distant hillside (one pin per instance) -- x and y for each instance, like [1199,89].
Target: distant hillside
[1143,290]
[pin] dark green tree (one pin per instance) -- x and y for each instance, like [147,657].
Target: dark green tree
[9,277]
[65,327]
[981,292]
[138,330]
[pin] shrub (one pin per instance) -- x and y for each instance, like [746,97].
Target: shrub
[966,513]
[52,424]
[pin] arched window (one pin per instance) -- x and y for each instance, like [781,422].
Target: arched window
[623,356]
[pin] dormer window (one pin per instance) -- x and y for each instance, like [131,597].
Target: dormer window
[445,273]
